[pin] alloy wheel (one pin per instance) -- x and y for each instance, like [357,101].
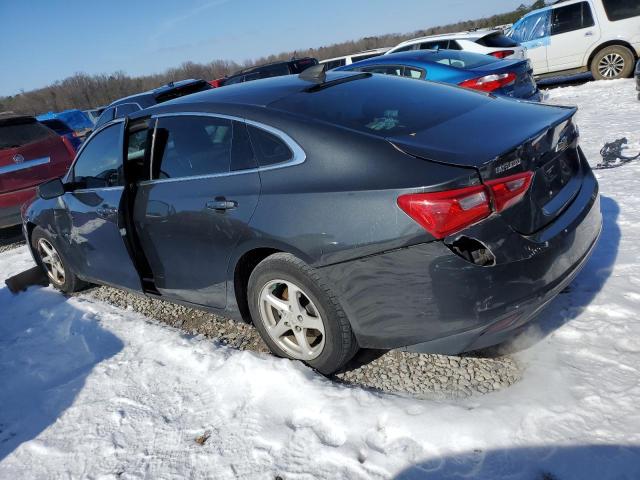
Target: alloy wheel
[51,261]
[611,65]
[292,320]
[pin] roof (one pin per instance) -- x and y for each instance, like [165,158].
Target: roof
[471,34]
[256,93]
[152,94]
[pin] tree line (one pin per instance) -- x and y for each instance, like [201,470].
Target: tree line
[85,91]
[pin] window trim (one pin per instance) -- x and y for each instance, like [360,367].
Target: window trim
[299,156]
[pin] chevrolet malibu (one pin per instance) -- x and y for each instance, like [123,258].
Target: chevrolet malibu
[332,210]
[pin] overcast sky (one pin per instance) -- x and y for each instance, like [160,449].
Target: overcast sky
[48,40]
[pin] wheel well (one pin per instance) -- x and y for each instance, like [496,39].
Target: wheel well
[243,270]
[610,43]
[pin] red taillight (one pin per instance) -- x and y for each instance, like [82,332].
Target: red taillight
[489,83]
[502,53]
[508,191]
[216,83]
[444,213]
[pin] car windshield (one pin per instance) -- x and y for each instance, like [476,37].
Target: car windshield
[463,60]
[380,104]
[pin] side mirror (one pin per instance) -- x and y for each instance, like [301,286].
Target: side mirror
[51,189]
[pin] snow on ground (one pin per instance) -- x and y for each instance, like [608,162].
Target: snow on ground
[91,391]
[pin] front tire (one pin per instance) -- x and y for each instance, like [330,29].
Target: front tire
[298,316]
[612,63]
[53,262]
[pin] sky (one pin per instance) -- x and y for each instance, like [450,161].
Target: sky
[48,40]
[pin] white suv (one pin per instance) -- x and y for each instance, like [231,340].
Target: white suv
[349,59]
[489,42]
[573,36]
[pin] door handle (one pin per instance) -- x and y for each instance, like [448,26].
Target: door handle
[221,204]
[588,34]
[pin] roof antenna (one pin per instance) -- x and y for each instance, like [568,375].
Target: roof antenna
[315,74]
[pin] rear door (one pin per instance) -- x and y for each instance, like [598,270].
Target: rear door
[197,205]
[94,226]
[573,33]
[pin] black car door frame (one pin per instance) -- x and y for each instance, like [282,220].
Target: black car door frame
[94,227]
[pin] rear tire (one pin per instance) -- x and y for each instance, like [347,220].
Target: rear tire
[52,261]
[297,314]
[612,63]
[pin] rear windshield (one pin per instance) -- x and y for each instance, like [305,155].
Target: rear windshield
[462,59]
[21,134]
[57,126]
[497,40]
[381,104]
[182,91]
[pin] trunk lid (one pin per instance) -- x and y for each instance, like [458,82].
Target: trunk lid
[524,85]
[496,150]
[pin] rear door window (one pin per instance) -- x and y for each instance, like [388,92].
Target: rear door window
[269,149]
[385,69]
[99,164]
[440,44]
[138,148]
[17,135]
[242,156]
[188,146]
[571,18]
[621,9]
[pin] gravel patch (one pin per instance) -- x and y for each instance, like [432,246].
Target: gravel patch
[10,238]
[419,375]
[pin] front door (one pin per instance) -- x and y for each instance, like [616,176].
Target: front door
[196,207]
[573,32]
[532,32]
[93,223]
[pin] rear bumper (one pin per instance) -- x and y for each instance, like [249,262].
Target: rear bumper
[429,298]
[10,204]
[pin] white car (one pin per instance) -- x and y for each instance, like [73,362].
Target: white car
[349,59]
[574,36]
[489,42]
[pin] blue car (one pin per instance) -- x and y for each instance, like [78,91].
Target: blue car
[76,119]
[509,78]
[64,130]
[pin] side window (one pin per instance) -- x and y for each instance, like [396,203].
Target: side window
[269,149]
[187,146]
[453,45]
[125,109]
[621,9]
[533,27]
[335,63]
[570,18]
[100,164]
[385,69]
[106,116]
[440,44]
[411,72]
[233,80]
[242,156]
[406,48]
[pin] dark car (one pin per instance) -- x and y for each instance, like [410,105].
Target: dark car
[63,130]
[125,106]
[510,78]
[334,211]
[269,70]
[30,153]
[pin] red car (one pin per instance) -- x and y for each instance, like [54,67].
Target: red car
[30,154]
